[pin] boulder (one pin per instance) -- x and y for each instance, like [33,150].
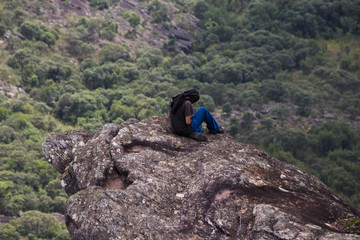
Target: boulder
[137,180]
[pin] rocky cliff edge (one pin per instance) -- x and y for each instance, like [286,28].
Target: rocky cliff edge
[139,181]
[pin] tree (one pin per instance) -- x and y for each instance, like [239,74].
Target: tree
[31,30]
[48,38]
[303,100]
[112,52]
[200,8]
[206,101]
[273,90]
[39,224]
[120,110]
[266,123]
[8,232]
[79,104]
[133,18]
[100,4]
[227,108]
[159,12]
[234,127]
[7,134]
[331,136]
[4,113]
[246,123]
[104,76]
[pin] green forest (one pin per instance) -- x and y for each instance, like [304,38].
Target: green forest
[281,75]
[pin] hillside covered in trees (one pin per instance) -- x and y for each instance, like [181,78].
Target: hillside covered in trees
[282,75]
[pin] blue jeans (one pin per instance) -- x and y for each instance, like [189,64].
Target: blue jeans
[203,115]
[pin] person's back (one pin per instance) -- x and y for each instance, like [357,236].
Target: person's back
[177,122]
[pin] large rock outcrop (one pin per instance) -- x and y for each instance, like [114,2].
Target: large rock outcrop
[139,181]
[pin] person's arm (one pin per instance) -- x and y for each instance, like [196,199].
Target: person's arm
[188,120]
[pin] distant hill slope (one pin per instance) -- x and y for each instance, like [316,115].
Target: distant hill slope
[156,25]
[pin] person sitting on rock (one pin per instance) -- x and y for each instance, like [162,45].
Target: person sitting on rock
[184,122]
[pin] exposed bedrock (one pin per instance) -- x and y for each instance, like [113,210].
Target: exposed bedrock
[137,180]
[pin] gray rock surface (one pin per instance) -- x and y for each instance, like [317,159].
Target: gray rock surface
[139,181]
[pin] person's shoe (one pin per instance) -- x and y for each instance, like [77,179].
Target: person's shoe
[221,130]
[198,137]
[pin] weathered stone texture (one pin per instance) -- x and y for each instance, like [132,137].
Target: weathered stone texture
[139,181]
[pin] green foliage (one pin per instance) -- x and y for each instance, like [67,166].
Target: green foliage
[8,232]
[247,120]
[159,12]
[7,134]
[118,110]
[113,52]
[266,123]
[100,4]
[331,136]
[227,108]
[329,151]
[31,30]
[303,100]
[109,31]
[104,76]
[36,32]
[352,224]
[207,101]
[148,57]
[79,105]
[302,18]
[4,113]
[133,18]
[40,225]
[200,8]
[273,90]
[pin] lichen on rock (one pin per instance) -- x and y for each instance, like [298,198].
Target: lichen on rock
[137,180]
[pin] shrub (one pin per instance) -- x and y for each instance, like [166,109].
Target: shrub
[112,52]
[120,110]
[246,123]
[158,12]
[79,104]
[88,63]
[109,31]
[59,204]
[104,76]
[206,101]
[273,90]
[8,232]
[3,29]
[200,8]
[303,100]
[79,48]
[40,225]
[46,204]
[31,81]
[266,123]
[48,38]
[31,30]
[7,134]
[100,4]
[17,106]
[4,113]
[227,108]
[54,188]
[133,18]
